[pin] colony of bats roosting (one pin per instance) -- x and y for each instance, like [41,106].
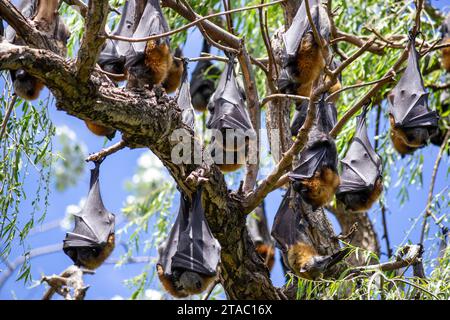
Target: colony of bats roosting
[189,258]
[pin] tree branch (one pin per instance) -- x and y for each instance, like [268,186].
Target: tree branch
[93,38]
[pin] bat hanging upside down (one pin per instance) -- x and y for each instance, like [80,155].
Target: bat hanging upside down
[316,177]
[189,257]
[412,123]
[92,240]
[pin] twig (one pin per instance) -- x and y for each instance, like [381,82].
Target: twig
[210,289]
[193,23]
[107,151]
[428,212]
[71,278]
[383,207]
[441,86]
[282,96]
[316,34]
[7,115]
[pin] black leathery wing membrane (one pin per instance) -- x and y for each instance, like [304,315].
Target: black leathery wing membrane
[184,100]
[408,101]
[112,57]
[258,227]
[190,245]
[227,107]
[202,86]
[320,149]
[93,225]
[361,166]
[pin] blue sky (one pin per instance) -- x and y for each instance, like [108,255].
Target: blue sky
[120,167]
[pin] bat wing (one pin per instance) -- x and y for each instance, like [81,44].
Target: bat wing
[320,149]
[361,166]
[300,26]
[184,101]
[299,117]
[258,227]
[126,27]
[284,228]
[201,76]
[152,23]
[227,105]
[197,249]
[169,247]
[94,223]
[408,101]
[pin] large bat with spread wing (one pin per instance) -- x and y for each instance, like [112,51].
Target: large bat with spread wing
[203,81]
[258,229]
[292,237]
[189,257]
[46,19]
[302,58]
[361,178]
[148,63]
[411,121]
[231,122]
[445,31]
[92,239]
[316,178]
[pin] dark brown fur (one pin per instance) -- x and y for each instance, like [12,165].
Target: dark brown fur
[100,130]
[298,256]
[267,253]
[321,187]
[169,286]
[158,60]
[446,56]
[173,79]
[362,201]
[95,262]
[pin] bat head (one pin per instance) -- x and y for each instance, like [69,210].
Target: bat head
[191,282]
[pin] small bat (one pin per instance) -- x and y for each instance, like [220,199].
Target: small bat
[259,232]
[184,99]
[230,117]
[361,178]
[46,19]
[411,121]
[445,32]
[316,177]
[202,82]
[302,58]
[290,231]
[189,257]
[112,57]
[175,73]
[148,63]
[92,239]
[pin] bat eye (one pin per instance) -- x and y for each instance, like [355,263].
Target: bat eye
[198,284]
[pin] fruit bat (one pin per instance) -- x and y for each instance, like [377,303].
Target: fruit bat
[438,137]
[258,229]
[148,63]
[290,231]
[230,118]
[411,121]
[92,239]
[175,73]
[202,82]
[46,19]
[112,57]
[302,58]
[189,257]
[316,178]
[184,99]
[361,177]
[445,31]
[100,130]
